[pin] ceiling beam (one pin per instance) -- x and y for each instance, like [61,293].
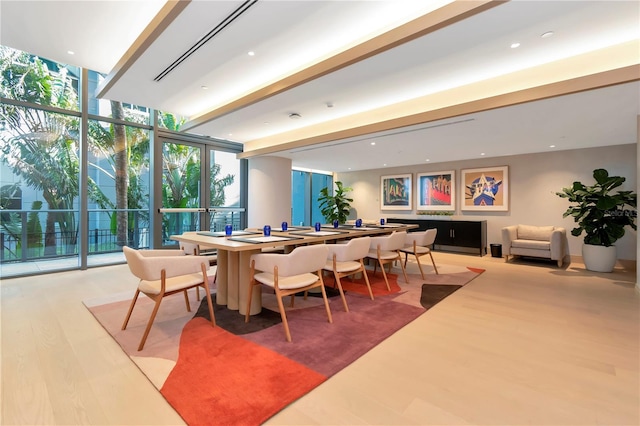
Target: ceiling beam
[156,27]
[543,91]
[447,15]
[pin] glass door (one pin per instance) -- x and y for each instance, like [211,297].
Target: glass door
[183,200]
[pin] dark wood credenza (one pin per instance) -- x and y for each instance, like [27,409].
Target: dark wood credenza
[454,235]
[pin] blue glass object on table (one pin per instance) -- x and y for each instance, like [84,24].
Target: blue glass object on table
[266,230]
[284,226]
[336,223]
[318,226]
[382,221]
[358,223]
[228,230]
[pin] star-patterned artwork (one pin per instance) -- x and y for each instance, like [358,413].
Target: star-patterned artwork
[485,189]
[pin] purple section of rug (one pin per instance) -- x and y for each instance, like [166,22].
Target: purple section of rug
[328,348]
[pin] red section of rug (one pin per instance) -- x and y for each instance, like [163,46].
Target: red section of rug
[476,270]
[261,381]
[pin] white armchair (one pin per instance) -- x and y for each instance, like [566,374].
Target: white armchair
[288,274]
[536,241]
[419,244]
[386,250]
[347,259]
[163,273]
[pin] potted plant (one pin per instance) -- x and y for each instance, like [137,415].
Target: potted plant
[602,215]
[336,206]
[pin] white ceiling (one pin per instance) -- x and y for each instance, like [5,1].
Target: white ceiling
[291,36]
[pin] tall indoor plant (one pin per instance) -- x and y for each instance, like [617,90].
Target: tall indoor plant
[602,215]
[336,206]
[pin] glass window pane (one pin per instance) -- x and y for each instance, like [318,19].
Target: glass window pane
[169,121]
[38,80]
[318,181]
[118,187]
[301,186]
[114,109]
[39,157]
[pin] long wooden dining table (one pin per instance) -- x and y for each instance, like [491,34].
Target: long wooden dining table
[234,253]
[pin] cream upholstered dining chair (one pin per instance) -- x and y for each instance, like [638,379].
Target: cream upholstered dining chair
[163,273]
[346,260]
[288,274]
[419,244]
[386,250]
[194,249]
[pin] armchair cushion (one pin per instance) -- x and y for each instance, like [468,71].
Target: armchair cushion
[538,233]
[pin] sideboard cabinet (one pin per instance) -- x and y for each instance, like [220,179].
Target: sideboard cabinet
[454,235]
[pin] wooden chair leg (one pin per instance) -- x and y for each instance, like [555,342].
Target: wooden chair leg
[326,302]
[283,315]
[198,293]
[419,265]
[133,303]
[207,291]
[344,300]
[434,263]
[186,300]
[366,280]
[246,316]
[158,300]
[404,271]
[384,274]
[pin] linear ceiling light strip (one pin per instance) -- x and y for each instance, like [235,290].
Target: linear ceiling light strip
[222,25]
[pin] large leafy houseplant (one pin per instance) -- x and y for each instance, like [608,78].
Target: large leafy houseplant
[598,211]
[335,206]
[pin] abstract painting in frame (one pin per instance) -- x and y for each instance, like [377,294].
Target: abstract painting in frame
[485,189]
[395,192]
[436,191]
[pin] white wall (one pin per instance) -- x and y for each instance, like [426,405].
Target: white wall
[269,188]
[533,181]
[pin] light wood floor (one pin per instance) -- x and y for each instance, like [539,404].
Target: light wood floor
[523,344]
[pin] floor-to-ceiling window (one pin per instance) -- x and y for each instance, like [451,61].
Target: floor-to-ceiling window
[77,176]
[306,186]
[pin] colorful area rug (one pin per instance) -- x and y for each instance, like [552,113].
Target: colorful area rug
[238,373]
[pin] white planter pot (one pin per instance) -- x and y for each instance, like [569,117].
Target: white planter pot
[599,258]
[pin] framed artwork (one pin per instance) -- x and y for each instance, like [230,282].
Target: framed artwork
[436,190]
[485,189]
[395,192]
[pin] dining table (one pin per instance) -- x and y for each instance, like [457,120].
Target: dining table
[234,253]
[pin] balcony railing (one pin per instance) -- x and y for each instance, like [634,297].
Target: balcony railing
[24,236]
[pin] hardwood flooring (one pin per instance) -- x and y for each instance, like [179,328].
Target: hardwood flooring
[526,343]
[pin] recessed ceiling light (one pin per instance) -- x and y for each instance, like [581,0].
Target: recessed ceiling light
[514,45]
[385,164]
[266,122]
[251,53]
[329,104]
[294,116]
[482,153]
[373,143]
[552,146]
[547,34]
[204,87]
[427,160]
[71,52]
[230,134]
